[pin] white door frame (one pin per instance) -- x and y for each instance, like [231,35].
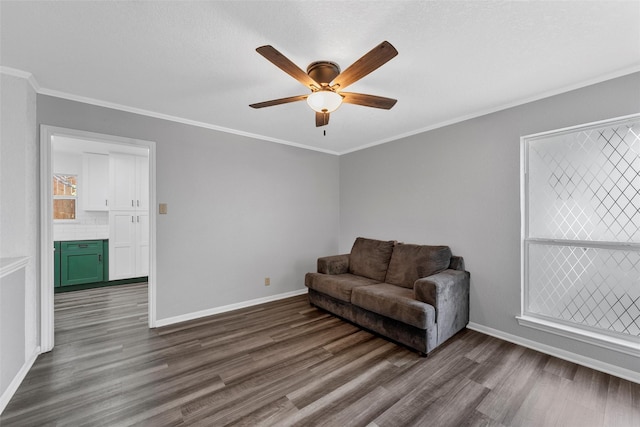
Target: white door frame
[46,222]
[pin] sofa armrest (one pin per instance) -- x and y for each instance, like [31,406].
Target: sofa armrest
[457,263]
[336,264]
[448,293]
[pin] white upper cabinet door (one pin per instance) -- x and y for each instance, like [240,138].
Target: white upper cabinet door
[142,183]
[95,182]
[122,175]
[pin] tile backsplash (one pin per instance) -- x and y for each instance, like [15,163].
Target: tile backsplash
[90,225]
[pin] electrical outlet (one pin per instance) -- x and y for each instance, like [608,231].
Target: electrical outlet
[267,281]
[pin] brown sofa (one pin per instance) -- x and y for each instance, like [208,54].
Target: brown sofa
[415,295]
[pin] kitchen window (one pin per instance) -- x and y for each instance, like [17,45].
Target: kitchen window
[65,197]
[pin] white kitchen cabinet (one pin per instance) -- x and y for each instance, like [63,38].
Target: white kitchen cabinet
[142,183]
[122,176]
[128,244]
[129,177]
[122,245]
[128,216]
[94,192]
[142,243]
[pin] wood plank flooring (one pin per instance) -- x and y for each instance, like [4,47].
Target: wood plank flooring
[286,363]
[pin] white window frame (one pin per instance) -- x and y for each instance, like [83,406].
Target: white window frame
[556,326]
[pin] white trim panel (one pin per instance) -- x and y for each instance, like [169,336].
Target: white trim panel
[17,380]
[593,338]
[225,308]
[46,241]
[9,265]
[612,121]
[627,374]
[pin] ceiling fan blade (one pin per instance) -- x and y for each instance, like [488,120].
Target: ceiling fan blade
[282,62]
[368,100]
[371,61]
[279,101]
[322,119]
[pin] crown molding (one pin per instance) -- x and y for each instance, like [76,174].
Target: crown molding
[106,104]
[480,113]
[100,103]
[21,74]
[148,113]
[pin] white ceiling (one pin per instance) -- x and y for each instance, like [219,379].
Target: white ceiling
[196,61]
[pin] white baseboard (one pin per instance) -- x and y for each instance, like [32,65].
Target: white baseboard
[17,380]
[598,365]
[225,308]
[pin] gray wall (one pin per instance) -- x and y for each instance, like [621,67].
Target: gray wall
[242,209]
[239,209]
[460,186]
[12,332]
[19,223]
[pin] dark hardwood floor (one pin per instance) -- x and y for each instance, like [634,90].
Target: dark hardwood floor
[287,363]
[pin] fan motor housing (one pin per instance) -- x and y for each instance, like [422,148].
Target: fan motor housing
[323,71]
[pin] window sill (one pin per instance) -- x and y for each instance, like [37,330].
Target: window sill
[601,340]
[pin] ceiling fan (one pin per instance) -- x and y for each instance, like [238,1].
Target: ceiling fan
[327,82]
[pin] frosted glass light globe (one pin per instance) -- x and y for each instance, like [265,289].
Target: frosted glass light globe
[324,101]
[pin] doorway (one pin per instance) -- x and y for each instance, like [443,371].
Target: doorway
[98,144]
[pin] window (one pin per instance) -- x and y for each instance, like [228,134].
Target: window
[581,233]
[65,196]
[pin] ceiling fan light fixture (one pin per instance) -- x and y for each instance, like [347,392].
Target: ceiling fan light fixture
[324,101]
[326,81]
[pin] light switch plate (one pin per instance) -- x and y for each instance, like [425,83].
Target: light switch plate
[163,208]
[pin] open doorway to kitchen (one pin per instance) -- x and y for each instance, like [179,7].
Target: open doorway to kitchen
[97,199]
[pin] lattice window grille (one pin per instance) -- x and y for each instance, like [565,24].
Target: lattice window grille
[582,227]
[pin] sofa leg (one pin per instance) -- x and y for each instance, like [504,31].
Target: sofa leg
[422,354]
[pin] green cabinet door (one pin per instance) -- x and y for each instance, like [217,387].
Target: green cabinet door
[56,264]
[81,262]
[105,259]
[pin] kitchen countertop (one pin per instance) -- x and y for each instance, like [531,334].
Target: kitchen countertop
[78,239]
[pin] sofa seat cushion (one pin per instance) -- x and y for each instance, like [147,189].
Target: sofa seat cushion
[411,262]
[338,286]
[395,302]
[370,258]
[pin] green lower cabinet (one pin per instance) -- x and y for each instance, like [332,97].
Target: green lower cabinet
[84,264]
[105,257]
[56,264]
[81,262]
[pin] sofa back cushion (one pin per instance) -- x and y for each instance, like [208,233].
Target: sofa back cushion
[370,258]
[412,262]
